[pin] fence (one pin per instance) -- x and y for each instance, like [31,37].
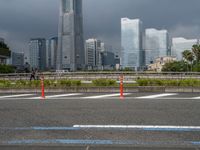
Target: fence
[88,76]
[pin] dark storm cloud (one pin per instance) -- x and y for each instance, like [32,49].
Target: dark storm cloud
[23,19]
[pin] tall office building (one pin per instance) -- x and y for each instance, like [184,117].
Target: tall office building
[70,54]
[52,49]
[181,44]
[37,53]
[108,60]
[131,42]
[157,44]
[93,50]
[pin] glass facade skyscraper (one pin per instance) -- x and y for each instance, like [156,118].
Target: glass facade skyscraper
[157,44]
[131,42]
[38,54]
[52,49]
[70,54]
[181,44]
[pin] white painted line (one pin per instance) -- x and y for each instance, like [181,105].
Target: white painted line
[157,96]
[13,96]
[57,96]
[136,127]
[196,98]
[104,96]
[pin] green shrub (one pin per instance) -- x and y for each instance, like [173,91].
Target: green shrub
[104,82]
[143,82]
[35,83]
[20,83]
[48,83]
[65,83]
[76,82]
[5,83]
[159,82]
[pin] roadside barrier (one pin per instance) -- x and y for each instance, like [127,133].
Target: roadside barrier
[42,87]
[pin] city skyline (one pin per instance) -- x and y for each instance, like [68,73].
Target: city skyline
[43,22]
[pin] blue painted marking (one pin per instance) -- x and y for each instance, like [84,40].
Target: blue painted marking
[96,142]
[71,141]
[195,142]
[171,129]
[55,128]
[104,129]
[49,128]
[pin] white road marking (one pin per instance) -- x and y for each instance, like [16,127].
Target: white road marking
[157,96]
[57,96]
[13,96]
[137,127]
[104,96]
[196,98]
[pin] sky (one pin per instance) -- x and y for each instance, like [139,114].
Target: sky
[21,20]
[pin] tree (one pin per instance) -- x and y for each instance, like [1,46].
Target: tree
[177,66]
[188,56]
[196,51]
[7,69]
[3,45]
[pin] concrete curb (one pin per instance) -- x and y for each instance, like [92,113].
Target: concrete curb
[154,89]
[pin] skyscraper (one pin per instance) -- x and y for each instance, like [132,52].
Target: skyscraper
[131,42]
[157,44]
[93,54]
[70,37]
[52,49]
[37,53]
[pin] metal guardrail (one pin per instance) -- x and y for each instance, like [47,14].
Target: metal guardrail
[88,76]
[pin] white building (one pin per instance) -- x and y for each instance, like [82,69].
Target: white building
[93,49]
[157,44]
[180,44]
[159,62]
[131,42]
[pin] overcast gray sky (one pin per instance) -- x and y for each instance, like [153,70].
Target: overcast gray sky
[21,20]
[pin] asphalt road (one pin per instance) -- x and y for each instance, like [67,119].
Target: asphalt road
[41,124]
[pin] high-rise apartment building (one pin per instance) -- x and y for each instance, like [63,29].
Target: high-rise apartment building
[131,42]
[37,53]
[71,52]
[181,44]
[157,44]
[93,48]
